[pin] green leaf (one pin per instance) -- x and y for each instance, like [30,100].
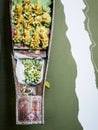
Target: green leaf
[19,1]
[43,3]
[34,1]
[16,2]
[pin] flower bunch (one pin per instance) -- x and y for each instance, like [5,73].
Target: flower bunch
[31,23]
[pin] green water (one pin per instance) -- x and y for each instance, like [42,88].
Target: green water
[61,104]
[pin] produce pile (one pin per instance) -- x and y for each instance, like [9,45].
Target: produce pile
[33,71]
[31,22]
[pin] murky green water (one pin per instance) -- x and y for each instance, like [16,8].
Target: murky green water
[61,104]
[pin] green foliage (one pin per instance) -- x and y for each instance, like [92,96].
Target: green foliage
[16,2]
[34,1]
[43,3]
[19,1]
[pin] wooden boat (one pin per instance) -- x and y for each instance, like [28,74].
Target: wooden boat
[32,27]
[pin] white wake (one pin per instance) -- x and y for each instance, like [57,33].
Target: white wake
[86,90]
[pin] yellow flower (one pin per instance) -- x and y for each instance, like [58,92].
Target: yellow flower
[30,20]
[41,33]
[26,36]
[27,27]
[19,26]
[44,40]
[18,9]
[27,15]
[17,36]
[37,38]
[42,29]
[27,8]
[37,9]
[19,19]
[34,43]
[26,1]
[38,20]
[46,18]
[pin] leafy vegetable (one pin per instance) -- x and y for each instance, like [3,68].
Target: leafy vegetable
[32,70]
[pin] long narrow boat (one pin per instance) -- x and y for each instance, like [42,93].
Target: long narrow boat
[32,27]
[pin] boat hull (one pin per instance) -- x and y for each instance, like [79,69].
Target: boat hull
[30,66]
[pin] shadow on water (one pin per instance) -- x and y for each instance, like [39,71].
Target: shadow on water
[7,93]
[61,104]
